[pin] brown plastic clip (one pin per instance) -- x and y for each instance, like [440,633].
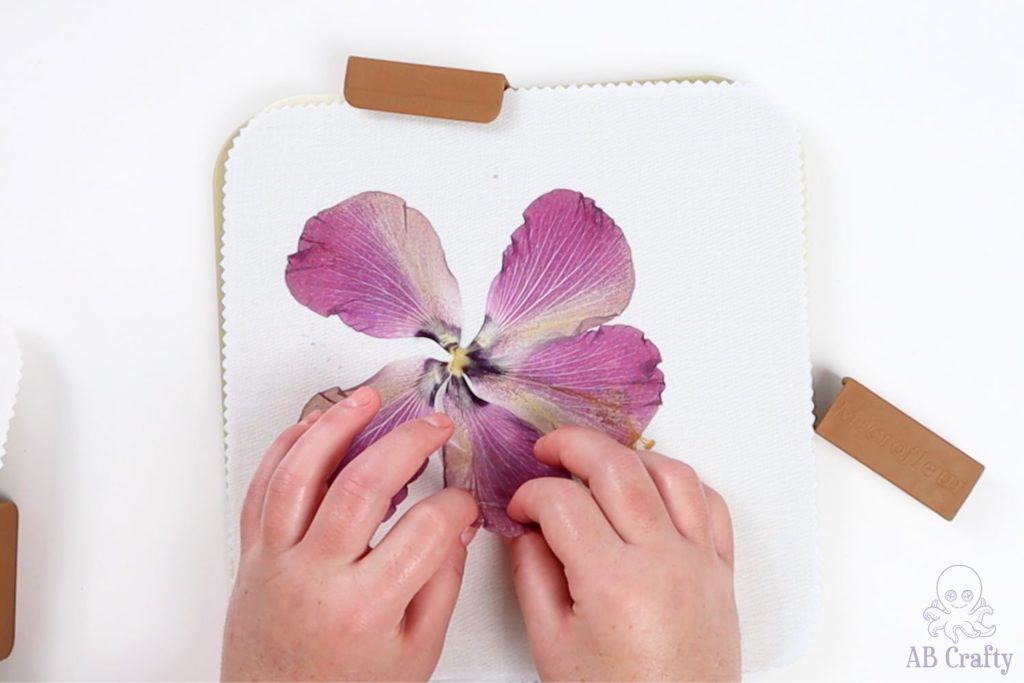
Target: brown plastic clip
[899,448]
[421,90]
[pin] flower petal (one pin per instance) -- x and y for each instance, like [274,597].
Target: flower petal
[607,379]
[378,265]
[407,390]
[490,454]
[568,269]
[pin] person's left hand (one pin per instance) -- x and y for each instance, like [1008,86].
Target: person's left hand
[312,601]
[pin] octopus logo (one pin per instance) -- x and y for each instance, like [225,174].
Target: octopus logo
[958,610]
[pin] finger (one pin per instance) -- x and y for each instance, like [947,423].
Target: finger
[252,506]
[428,615]
[360,496]
[721,524]
[683,493]
[618,480]
[416,547]
[297,486]
[570,520]
[541,586]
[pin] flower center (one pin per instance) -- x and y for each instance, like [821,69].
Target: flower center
[459,360]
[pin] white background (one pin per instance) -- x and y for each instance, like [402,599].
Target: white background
[111,115]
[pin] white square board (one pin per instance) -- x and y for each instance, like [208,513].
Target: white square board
[705,181]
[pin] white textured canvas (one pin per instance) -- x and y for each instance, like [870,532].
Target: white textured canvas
[705,181]
[10,376]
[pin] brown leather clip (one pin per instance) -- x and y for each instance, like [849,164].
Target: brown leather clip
[899,448]
[8,570]
[435,91]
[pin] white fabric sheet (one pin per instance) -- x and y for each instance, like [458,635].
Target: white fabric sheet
[704,179]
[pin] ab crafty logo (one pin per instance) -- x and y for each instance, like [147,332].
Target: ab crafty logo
[957,615]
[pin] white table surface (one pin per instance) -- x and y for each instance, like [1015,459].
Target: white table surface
[111,116]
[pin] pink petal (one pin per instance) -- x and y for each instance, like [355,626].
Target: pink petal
[606,379]
[568,269]
[378,265]
[490,454]
[407,390]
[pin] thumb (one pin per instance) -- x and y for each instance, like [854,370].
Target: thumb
[541,586]
[428,614]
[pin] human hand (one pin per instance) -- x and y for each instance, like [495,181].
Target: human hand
[311,600]
[630,576]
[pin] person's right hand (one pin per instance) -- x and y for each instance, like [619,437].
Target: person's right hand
[630,576]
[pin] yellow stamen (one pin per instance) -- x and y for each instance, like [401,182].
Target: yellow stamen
[458,361]
[646,444]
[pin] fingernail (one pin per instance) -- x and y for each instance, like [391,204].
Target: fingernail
[311,417]
[439,420]
[358,398]
[468,534]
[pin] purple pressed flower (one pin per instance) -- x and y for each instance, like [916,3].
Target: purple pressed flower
[536,362]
